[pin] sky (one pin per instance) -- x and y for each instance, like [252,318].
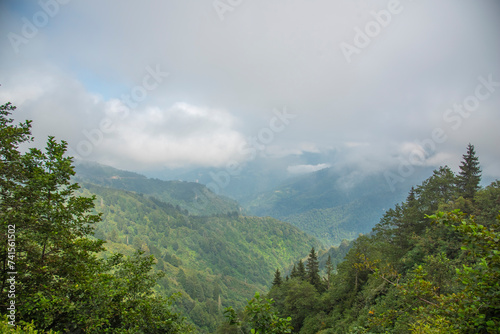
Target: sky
[151,85]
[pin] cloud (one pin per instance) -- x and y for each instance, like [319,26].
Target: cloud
[179,136]
[226,78]
[303,169]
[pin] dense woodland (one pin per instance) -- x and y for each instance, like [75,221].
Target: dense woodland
[126,255]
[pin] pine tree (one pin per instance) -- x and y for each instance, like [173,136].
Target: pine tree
[294,273]
[301,271]
[469,175]
[411,199]
[277,278]
[313,269]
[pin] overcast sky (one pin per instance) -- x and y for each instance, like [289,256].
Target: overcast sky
[144,85]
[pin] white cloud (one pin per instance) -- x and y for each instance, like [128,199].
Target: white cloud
[178,136]
[303,169]
[231,74]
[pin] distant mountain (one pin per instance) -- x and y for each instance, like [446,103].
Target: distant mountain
[190,196]
[332,205]
[247,180]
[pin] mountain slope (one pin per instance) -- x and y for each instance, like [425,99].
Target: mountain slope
[214,261]
[329,205]
[190,196]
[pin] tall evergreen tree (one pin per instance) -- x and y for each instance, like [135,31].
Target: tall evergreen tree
[469,175]
[277,278]
[294,273]
[313,269]
[301,271]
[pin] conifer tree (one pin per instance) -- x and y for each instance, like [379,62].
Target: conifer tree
[469,175]
[411,199]
[301,271]
[277,278]
[294,273]
[313,269]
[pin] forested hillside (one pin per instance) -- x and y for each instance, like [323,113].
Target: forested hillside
[214,261]
[190,196]
[432,265]
[329,205]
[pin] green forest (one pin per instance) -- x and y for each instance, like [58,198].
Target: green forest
[115,252]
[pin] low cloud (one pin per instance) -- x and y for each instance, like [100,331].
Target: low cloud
[179,136]
[304,169]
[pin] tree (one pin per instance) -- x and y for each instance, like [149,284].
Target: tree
[470,174]
[329,271]
[52,225]
[260,317]
[60,283]
[301,301]
[313,270]
[301,270]
[294,273]
[277,278]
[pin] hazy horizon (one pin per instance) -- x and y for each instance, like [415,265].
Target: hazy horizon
[374,85]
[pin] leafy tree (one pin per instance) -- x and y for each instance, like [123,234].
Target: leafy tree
[301,301]
[478,305]
[487,203]
[470,174]
[263,320]
[60,283]
[260,317]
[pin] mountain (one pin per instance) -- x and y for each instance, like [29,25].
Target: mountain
[332,205]
[190,196]
[212,260]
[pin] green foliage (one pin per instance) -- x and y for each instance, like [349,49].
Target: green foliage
[259,317]
[478,305]
[301,270]
[50,269]
[420,271]
[7,328]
